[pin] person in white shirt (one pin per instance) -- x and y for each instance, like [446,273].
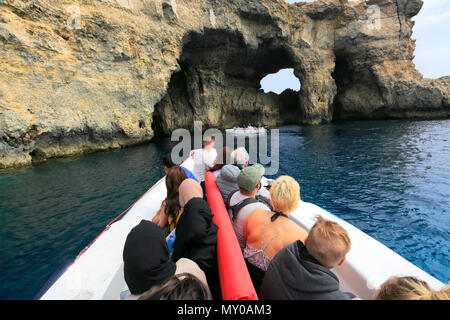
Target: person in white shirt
[205,158]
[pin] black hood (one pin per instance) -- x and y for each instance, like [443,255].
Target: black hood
[196,234]
[146,258]
[294,274]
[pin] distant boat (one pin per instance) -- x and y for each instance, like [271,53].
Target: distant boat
[247,131]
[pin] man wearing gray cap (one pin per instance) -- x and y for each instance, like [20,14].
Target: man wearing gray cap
[243,201]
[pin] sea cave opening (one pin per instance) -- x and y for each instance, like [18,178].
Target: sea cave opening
[219,83]
[280,81]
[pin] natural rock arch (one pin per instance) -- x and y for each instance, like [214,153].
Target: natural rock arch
[140,64]
[219,84]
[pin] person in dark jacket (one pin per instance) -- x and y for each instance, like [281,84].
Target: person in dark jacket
[146,258]
[196,233]
[302,272]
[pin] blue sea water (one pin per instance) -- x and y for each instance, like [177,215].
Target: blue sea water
[391,179]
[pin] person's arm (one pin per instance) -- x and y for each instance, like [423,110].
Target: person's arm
[186,230]
[248,223]
[191,230]
[161,218]
[244,233]
[209,159]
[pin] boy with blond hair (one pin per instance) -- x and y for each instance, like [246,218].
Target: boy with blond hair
[328,242]
[302,271]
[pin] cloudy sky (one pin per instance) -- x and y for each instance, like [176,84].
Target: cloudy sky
[432,34]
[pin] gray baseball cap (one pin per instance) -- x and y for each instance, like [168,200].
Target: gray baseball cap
[249,177]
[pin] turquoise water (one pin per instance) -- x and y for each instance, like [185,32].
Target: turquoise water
[391,179]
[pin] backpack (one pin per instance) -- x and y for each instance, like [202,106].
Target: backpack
[238,206]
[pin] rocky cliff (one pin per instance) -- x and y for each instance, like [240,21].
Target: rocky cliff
[91,75]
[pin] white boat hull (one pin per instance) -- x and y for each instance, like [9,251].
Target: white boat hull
[246,131]
[98,272]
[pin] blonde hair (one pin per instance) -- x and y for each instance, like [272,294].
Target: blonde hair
[285,194]
[410,288]
[328,242]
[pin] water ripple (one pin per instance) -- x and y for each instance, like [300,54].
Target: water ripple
[391,179]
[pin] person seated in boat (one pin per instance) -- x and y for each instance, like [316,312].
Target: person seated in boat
[227,178]
[240,158]
[301,270]
[146,261]
[205,158]
[183,286]
[168,214]
[410,288]
[196,233]
[244,200]
[266,232]
[168,163]
[223,158]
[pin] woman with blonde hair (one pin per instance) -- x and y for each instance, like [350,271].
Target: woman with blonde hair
[267,232]
[410,288]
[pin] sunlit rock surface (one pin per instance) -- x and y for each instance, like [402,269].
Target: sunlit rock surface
[101,74]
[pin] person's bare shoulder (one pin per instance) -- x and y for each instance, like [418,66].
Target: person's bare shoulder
[297,233]
[258,214]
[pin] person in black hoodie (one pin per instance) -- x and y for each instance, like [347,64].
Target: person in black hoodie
[196,233]
[146,258]
[302,272]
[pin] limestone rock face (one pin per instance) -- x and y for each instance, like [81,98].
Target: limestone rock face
[99,74]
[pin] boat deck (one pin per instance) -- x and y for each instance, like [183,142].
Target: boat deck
[98,272]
